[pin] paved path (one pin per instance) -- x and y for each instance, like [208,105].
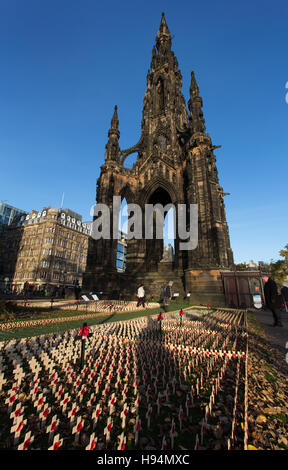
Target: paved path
[278,337]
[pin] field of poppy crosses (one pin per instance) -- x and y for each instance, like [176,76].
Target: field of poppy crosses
[178,382]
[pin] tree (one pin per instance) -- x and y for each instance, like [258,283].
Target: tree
[279,268]
[284,253]
[242,267]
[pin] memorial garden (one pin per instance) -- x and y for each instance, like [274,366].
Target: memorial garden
[186,382]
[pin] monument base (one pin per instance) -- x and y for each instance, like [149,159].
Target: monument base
[116,285]
[205,287]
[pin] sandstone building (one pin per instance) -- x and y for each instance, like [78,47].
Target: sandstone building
[45,248]
[175,164]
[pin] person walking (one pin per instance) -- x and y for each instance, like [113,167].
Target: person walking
[271,294]
[162,292]
[141,296]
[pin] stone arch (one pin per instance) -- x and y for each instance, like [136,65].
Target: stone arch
[127,193]
[158,192]
[159,182]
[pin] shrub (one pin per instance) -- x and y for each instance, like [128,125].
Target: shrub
[7,309]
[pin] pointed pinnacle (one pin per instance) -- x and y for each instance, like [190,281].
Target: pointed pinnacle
[163,29]
[194,89]
[115,120]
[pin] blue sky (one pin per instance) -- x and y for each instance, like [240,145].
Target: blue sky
[66,63]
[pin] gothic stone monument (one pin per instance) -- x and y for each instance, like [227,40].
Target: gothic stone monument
[175,164]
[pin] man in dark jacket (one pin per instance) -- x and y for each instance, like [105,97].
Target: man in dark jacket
[284,293]
[271,294]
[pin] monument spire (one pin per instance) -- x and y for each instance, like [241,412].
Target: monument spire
[163,38]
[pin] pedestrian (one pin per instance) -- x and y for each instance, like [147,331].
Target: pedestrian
[162,293]
[167,295]
[25,288]
[271,298]
[77,290]
[284,293]
[141,295]
[63,292]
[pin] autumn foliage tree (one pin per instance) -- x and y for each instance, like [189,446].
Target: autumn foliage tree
[279,268]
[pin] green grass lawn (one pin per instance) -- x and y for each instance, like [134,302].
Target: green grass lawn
[67,324]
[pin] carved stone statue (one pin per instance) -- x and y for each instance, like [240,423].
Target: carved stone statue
[168,254]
